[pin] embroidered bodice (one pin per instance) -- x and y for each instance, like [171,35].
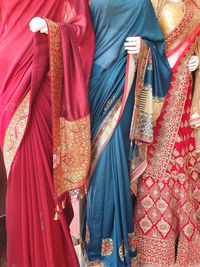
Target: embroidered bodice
[171,15]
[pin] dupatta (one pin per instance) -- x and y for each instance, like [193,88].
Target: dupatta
[70,44]
[180,46]
[70,63]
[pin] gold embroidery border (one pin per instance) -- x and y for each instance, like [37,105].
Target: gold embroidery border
[103,135]
[15,132]
[109,124]
[162,148]
[75,153]
[144,60]
[56,74]
[71,160]
[188,24]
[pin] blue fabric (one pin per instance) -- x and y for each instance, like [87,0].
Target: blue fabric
[109,211]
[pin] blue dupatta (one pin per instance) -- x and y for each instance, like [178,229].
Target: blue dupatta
[108,231]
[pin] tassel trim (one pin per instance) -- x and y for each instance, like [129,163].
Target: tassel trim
[59,208]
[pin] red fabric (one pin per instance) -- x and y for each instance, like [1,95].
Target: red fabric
[16,46]
[16,51]
[167,213]
[75,93]
[33,237]
[78,50]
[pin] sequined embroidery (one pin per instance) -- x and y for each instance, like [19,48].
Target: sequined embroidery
[131,242]
[71,140]
[161,150]
[122,251]
[107,247]
[15,132]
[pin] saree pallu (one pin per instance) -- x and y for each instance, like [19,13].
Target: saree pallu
[45,127]
[108,232]
[167,213]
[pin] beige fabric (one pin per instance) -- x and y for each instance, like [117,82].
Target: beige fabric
[195,109]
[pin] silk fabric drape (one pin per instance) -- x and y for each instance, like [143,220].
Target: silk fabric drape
[167,214]
[27,102]
[108,232]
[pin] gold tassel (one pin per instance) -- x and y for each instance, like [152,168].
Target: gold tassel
[63,204]
[57,217]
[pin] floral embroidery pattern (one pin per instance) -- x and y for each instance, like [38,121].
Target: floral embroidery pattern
[180,33]
[122,251]
[75,152]
[170,207]
[169,121]
[15,132]
[96,264]
[160,151]
[131,242]
[71,139]
[141,128]
[107,247]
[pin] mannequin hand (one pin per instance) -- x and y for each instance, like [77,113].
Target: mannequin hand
[132,45]
[193,63]
[38,24]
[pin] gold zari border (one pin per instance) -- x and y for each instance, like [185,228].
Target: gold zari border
[169,125]
[15,132]
[71,139]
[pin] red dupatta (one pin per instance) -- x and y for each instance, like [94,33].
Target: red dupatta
[180,46]
[71,120]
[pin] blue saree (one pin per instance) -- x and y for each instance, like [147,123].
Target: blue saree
[108,231]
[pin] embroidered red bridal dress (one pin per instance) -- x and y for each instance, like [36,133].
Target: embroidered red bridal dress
[167,214]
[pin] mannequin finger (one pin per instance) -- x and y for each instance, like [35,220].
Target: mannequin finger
[134,38]
[44,30]
[131,43]
[192,68]
[193,61]
[36,29]
[194,57]
[36,24]
[194,65]
[133,52]
[132,48]
[37,21]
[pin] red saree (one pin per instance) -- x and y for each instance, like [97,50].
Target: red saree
[45,126]
[167,214]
